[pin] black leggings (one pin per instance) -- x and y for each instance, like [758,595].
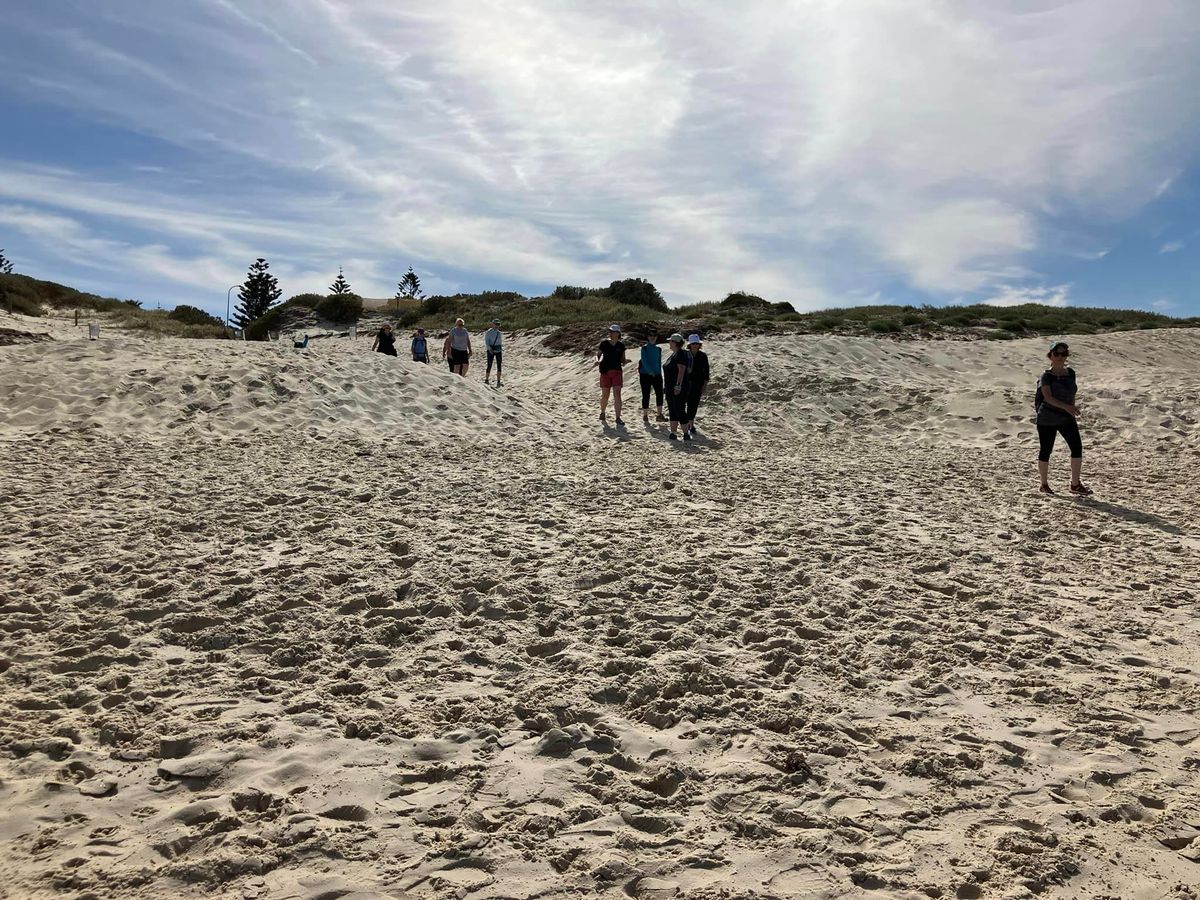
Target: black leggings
[691,404]
[651,381]
[676,403]
[1070,433]
[494,355]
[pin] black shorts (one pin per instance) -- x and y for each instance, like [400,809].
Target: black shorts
[459,357]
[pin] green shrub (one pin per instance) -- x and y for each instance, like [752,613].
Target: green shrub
[637,292]
[910,319]
[310,301]
[340,308]
[783,307]
[742,300]
[19,303]
[883,326]
[1000,334]
[191,315]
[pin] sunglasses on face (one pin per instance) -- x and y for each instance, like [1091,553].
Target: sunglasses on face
[1060,353]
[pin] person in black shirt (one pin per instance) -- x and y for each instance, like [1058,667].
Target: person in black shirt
[697,382]
[675,382]
[385,341]
[610,358]
[1056,414]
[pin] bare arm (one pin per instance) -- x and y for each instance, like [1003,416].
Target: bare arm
[1047,397]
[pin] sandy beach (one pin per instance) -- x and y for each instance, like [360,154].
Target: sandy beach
[328,624]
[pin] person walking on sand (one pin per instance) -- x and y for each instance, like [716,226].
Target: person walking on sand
[493,339]
[1057,414]
[385,341]
[675,382]
[420,347]
[459,341]
[650,376]
[697,382]
[610,359]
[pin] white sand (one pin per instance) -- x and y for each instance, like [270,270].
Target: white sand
[328,624]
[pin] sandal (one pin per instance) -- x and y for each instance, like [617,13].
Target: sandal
[1081,489]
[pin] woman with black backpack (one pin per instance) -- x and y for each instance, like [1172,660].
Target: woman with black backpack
[1056,414]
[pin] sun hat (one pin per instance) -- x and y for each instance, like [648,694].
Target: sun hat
[693,338]
[676,337]
[616,328]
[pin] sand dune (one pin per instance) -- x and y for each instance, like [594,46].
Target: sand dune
[326,624]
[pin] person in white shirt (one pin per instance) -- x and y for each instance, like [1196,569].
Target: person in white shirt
[494,341]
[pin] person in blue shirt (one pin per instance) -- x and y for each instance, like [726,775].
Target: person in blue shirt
[650,375]
[420,347]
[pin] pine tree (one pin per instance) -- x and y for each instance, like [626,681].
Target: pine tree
[341,285]
[257,294]
[6,264]
[409,286]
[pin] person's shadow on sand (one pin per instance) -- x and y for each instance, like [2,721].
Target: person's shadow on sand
[1134,515]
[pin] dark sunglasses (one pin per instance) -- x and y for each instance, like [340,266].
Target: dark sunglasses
[1060,352]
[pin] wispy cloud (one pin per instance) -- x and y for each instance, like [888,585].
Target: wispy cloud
[1172,246]
[1056,295]
[796,151]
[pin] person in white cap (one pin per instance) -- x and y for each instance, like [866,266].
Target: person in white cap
[610,359]
[697,382]
[493,339]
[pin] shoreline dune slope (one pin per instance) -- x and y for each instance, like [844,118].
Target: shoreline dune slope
[321,623]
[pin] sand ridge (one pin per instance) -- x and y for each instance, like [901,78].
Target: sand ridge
[825,652]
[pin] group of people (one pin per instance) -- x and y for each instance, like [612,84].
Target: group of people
[456,348]
[681,380]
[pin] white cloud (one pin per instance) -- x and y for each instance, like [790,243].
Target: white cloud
[1172,246]
[1057,295]
[770,147]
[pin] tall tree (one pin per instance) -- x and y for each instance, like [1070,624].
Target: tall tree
[409,286]
[6,264]
[340,285]
[257,295]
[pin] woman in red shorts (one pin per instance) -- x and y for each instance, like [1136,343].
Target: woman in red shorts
[610,358]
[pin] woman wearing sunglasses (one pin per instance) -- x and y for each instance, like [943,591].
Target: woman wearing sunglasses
[1056,414]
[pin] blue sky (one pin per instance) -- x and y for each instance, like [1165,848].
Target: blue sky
[826,153]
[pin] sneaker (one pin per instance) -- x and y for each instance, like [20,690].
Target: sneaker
[687,435]
[1045,489]
[620,422]
[674,436]
[602,419]
[1081,489]
[498,382]
[660,418]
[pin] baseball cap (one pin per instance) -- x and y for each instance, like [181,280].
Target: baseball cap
[1056,344]
[614,327]
[495,321]
[693,338]
[676,337]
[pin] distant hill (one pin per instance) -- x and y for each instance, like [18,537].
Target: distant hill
[31,297]
[739,313]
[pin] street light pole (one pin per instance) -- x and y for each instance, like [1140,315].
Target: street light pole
[227,293]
